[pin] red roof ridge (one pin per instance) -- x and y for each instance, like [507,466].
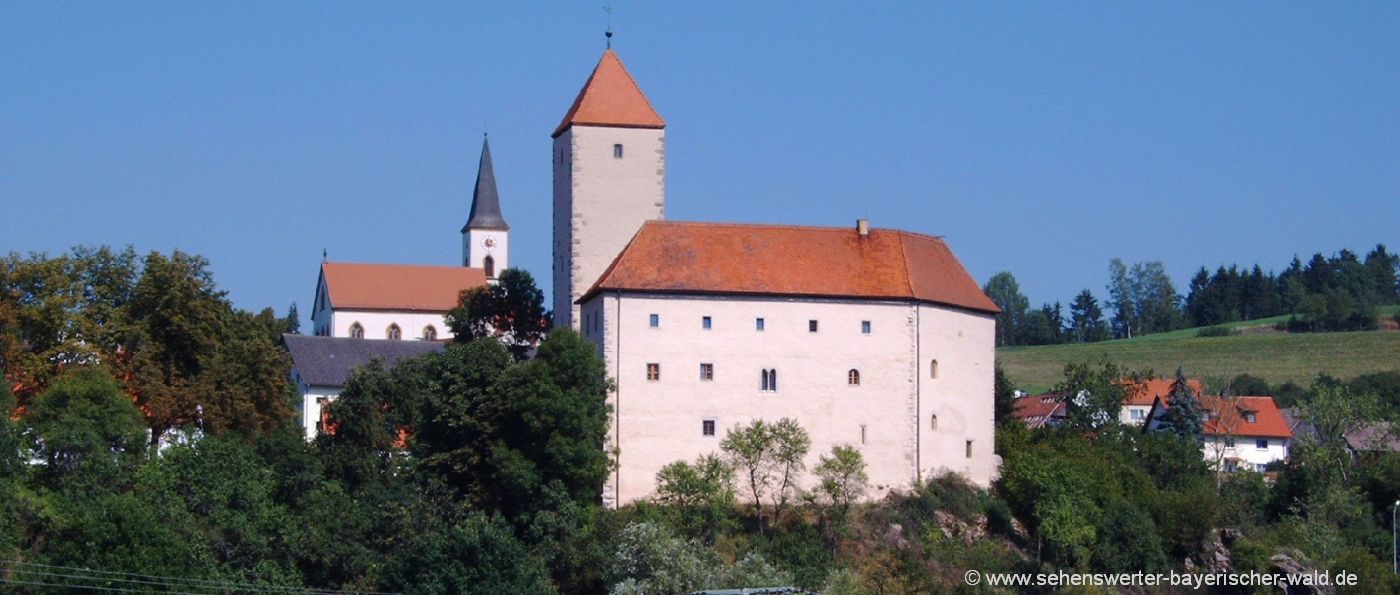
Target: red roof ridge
[792,226]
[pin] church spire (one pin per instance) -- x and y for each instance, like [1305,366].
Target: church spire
[486,203]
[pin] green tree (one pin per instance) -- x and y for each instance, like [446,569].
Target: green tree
[292,323]
[1184,417]
[1093,397]
[1121,296]
[84,422]
[843,478]
[1334,411]
[512,310]
[699,497]
[749,451]
[1086,319]
[1011,321]
[1003,397]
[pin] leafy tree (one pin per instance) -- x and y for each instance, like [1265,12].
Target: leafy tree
[749,450]
[292,323]
[512,310]
[83,421]
[469,552]
[1184,416]
[1154,298]
[1011,321]
[790,446]
[1248,385]
[1334,411]
[1086,319]
[1121,297]
[699,496]
[1094,397]
[843,478]
[1003,397]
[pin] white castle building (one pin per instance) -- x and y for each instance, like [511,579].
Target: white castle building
[873,338]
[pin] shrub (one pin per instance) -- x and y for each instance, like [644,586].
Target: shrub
[1214,331]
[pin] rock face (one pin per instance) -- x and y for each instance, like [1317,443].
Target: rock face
[1215,552]
[1289,562]
[955,528]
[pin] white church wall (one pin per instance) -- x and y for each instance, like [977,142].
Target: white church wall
[475,250]
[600,201]
[659,422]
[376,324]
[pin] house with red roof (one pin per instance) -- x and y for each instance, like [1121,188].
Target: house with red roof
[1041,411]
[1140,394]
[1240,433]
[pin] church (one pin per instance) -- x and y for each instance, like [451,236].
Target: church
[869,337]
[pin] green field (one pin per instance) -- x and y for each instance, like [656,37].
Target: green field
[1275,356]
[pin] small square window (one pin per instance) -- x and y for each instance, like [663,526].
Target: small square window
[758,324]
[865,327]
[617,151]
[707,371]
[707,427]
[1261,444]
[706,323]
[1229,441]
[1249,417]
[811,326]
[653,372]
[655,320]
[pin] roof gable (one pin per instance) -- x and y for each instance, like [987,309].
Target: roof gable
[1143,392]
[686,257]
[398,287]
[611,98]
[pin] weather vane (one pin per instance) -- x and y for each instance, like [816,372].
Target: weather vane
[608,9]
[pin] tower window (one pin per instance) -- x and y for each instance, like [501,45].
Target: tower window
[933,369]
[707,371]
[853,377]
[768,381]
[758,324]
[706,323]
[811,326]
[707,427]
[489,264]
[429,333]
[655,320]
[862,433]
[865,327]
[617,151]
[357,331]
[394,333]
[968,449]
[653,372]
[933,421]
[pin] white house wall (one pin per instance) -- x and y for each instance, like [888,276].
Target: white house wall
[659,422]
[1246,450]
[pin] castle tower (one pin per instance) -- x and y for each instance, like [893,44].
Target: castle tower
[486,234]
[609,178]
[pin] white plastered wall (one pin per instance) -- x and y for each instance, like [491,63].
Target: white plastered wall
[475,249]
[376,324]
[659,422]
[600,201]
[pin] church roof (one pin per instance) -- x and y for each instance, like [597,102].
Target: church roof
[683,257]
[328,361]
[611,98]
[486,203]
[397,287]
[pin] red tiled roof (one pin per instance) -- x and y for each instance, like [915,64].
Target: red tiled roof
[1229,417]
[1036,410]
[684,257]
[398,286]
[611,98]
[1143,392]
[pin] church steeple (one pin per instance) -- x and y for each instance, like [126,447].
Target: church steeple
[484,237]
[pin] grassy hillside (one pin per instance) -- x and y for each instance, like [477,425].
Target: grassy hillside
[1276,357]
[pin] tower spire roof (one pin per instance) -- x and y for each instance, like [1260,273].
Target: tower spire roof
[486,203]
[611,98]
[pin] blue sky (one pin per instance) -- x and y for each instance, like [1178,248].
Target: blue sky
[1039,138]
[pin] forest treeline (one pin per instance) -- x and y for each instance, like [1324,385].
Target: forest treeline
[1337,293]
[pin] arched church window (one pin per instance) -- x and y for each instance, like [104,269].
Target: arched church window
[489,264]
[853,377]
[394,333]
[429,333]
[357,331]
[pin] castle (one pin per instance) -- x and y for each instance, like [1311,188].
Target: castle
[874,338]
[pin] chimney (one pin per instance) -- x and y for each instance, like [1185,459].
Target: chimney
[863,228]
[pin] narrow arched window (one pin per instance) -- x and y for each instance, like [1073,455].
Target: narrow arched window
[853,377]
[357,331]
[933,369]
[394,333]
[933,421]
[489,264]
[429,333]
